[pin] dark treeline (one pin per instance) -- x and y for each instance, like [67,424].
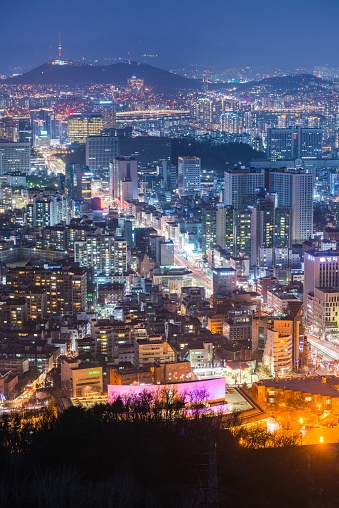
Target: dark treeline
[214,157]
[119,456]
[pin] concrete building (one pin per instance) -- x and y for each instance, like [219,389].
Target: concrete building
[81,126]
[8,382]
[278,354]
[124,179]
[154,350]
[209,227]
[320,271]
[199,354]
[224,280]
[314,391]
[80,379]
[240,183]
[294,143]
[66,285]
[189,174]
[323,311]
[15,157]
[295,192]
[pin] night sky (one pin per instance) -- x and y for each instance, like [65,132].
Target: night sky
[289,33]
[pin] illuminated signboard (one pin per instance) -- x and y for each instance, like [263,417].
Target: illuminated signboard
[94,372]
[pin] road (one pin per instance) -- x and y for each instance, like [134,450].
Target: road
[202,278]
[53,163]
[328,350]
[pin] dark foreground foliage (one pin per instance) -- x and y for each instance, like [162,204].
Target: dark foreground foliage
[96,458]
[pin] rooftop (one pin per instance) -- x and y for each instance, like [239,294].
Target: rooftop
[316,385]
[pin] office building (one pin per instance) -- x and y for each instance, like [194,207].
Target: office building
[85,181]
[225,228]
[209,227]
[246,233]
[320,271]
[25,131]
[167,253]
[80,379]
[124,179]
[78,182]
[189,173]
[241,183]
[294,143]
[110,114]
[168,174]
[295,192]
[81,126]
[100,152]
[15,157]
[323,311]
[224,280]
[8,129]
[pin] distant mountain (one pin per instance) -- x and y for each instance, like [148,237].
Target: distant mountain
[280,84]
[76,74]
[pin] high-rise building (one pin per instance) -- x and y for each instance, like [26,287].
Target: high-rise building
[25,131]
[15,157]
[202,110]
[78,182]
[72,170]
[320,271]
[282,227]
[231,123]
[168,174]
[100,152]
[47,211]
[110,114]
[209,227]
[294,143]
[246,233]
[81,126]
[120,255]
[8,129]
[189,173]
[295,192]
[124,179]
[96,252]
[240,183]
[86,184]
[225,228]
[66,285]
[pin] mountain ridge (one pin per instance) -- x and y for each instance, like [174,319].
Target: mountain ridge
[74,73]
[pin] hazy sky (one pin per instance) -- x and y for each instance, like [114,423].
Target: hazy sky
[288,31]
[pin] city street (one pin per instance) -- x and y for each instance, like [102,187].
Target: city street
[202,278]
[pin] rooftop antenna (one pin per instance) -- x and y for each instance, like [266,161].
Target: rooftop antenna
[50,53]
[59,46]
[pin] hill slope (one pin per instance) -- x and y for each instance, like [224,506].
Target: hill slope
[118,74]
[279,84]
